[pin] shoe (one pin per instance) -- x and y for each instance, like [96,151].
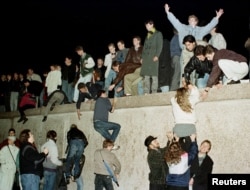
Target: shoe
[233,82]
[44,118]
[116,147]
[52,107]
[66,178]
[20,120]
[25,120]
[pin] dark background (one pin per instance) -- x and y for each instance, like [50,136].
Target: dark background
[38,33]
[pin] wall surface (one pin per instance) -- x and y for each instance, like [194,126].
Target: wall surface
[223,118]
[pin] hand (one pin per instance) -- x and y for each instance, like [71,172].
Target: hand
[119,89]
[191,181]
[155,58]
[219,13]
[170,135]
[166,8]
[176,138]
[193,136]
[79,114]
[45,151]
[204,95]
[111,87]
[112,109]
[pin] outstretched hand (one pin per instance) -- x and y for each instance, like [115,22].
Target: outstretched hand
[219,13]
[79,114]
[166,8]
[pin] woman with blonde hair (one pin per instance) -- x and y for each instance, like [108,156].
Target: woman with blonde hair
[183,107]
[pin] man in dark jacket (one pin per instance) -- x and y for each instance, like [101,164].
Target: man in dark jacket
[157,165]
[77,142]
[200,65]
[86,91]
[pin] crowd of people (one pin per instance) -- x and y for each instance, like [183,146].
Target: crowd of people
[180,165]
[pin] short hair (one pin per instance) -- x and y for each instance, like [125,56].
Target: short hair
[138,38]
[198,50]
[12,129]
[111,45]
[208,142]
[150,21]
[100,92]
[81,85]
[51,134]
[189,38]
[79,48]
[24,135]
[121,41]
[209,49]
[193,16]
[73,126]
[115,63]
[107,142]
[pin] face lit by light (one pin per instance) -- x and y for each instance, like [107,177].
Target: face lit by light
[120,46]
[192,22]
[201,57]
[149,27]
[210,56]
[190,46]
[31,138]
[205,147]
[111,49]
[155,144]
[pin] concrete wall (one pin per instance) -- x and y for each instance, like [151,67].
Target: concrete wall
[223,118]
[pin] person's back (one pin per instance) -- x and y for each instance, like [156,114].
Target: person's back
[217,40]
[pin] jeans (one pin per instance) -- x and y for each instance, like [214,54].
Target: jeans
[103,128]
[49,180]
[108,81]
[76,149]
[103,181]
[79,183]
[68,89]
[140,88]
[30,181]
[202,82]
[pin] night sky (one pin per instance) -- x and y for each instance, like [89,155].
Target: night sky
[37,33]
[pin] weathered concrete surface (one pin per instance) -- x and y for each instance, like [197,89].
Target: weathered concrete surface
[223,118]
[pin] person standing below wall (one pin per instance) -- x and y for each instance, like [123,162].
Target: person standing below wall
[8,164]
[150,58]
[31,161]
[156,162]
[179,162]
[77,142]
[51,162]
[201,166]
[103,159]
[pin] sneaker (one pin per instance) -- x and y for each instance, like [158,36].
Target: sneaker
[25,120]
[116,147]
[44,118]
[233,82]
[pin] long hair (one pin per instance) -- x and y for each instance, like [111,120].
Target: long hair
[173,154]
[181,96]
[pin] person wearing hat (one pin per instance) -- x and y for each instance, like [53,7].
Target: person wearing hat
[157,165]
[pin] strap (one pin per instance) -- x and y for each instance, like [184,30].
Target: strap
[11,154]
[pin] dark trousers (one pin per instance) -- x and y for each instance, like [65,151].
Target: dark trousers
[157,186]
[23,108]
[103,181]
